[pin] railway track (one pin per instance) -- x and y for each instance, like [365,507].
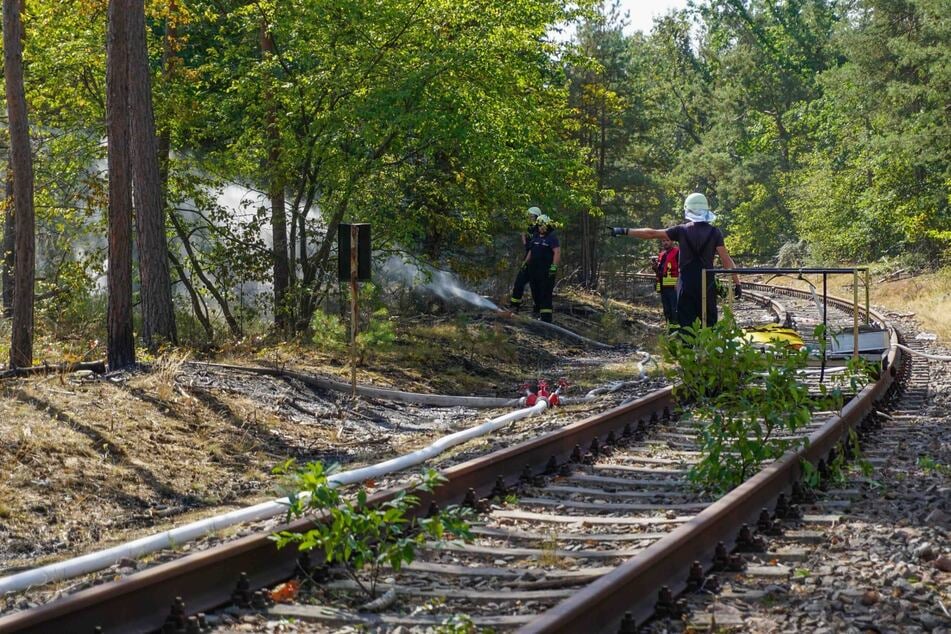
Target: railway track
[829,583]
[602,520]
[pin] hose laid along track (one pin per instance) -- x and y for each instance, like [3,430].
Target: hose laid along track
[640,516]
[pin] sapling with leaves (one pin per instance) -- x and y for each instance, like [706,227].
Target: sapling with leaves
[748,402]
[358,536]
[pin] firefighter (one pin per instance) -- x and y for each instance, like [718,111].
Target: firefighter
[541,265]
[521,279]
[667,269]
[699,242]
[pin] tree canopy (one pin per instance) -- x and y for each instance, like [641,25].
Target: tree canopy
[440,121]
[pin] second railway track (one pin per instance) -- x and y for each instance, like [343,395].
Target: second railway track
[601,520]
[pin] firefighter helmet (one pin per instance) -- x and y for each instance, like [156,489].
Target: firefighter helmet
[697,209]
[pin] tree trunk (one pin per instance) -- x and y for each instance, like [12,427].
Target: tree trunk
[281,264]
[196,268]
[120,343]
[158,314]
[198,306]
[169,64]
[276,194]
[24,268]
[8,249]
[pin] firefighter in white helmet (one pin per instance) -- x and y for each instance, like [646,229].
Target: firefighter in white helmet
[521,279]
[699,242]
[541,263]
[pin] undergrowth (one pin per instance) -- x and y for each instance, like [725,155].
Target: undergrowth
[747,402]
[357,536]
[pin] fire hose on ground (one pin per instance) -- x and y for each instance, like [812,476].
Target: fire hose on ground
[175,537]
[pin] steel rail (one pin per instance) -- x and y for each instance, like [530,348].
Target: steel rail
[141,602]
[633,586]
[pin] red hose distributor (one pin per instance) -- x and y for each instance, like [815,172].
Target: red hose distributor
[544,391]
[530,397]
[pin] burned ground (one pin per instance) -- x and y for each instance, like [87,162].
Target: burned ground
[92,461]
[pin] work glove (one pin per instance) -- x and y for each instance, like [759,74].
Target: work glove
[737,291]
[552,270]
[618,231]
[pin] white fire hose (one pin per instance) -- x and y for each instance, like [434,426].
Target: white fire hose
[175,537]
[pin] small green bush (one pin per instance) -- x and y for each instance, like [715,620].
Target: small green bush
[357,536]
[376,336]
[742,397]
[329,331]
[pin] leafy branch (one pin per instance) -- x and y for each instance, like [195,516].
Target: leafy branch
[357,535]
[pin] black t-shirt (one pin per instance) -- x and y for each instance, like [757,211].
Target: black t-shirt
[529,236]
[542,248]
[696,238]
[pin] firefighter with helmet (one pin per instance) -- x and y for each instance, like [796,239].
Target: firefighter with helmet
[541,265]
[667,269]
[521,279]
[700,241]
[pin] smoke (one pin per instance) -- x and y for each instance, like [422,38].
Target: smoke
[441,283]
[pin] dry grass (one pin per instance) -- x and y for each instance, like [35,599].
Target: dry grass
[549,556]
[928,296]
[90,463]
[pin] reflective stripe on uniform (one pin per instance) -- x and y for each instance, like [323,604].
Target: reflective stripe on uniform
[516,300]
[669,280]
[547,310]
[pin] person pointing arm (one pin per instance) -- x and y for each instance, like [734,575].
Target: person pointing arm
[699,242]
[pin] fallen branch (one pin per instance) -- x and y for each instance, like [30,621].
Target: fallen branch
[99,367]
[892,275]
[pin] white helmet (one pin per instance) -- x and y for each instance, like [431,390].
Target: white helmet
[697,209]
[534,211]
[543,220]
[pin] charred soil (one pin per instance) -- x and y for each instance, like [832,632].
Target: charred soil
[94,460]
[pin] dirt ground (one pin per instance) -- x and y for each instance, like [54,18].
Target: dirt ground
[92,461]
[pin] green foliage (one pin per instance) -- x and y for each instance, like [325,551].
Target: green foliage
[742,397]
[877,179]
[458,624]
[378,335]
[816,123]
[931,466]
[356,535]
[839,468]
[374,336]
[329,331]
[810,475]
[817,120]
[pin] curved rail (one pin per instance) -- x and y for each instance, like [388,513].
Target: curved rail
[141,602]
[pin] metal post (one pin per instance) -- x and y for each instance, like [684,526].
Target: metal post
[855,313]
[825,333]
[868,316]
[354,312]
[703,298]
[729,297]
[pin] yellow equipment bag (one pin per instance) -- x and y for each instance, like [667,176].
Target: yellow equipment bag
[773,334]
